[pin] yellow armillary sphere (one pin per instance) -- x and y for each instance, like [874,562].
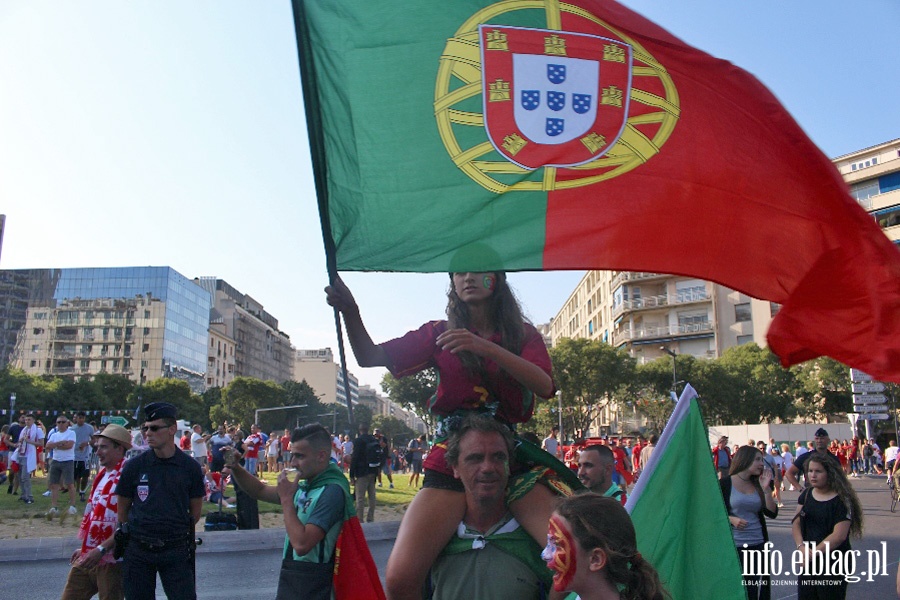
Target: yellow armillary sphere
[459,108]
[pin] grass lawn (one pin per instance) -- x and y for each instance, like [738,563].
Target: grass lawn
[11,508]
[400,496]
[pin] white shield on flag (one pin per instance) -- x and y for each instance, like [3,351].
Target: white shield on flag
[555,97]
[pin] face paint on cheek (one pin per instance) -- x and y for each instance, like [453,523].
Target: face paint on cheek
[562,559]
[488,282]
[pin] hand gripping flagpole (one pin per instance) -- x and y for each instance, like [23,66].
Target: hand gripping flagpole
[320,172]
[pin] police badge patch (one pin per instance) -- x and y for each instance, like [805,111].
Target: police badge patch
[143,492]
[553,98]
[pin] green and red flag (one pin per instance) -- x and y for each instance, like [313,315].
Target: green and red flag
[539,134]
[679,515]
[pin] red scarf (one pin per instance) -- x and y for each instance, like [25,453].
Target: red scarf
[100,515]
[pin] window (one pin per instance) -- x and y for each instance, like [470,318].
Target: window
[36,348]
[742,312]
[33,364]
[774,307]
[744,339]
[146,331]
[145,348]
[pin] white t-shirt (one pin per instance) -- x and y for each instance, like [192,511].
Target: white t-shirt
[891,453]
[63,436]
[198,445]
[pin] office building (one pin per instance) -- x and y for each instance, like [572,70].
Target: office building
[140,322]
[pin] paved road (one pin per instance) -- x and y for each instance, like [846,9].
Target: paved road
[220,576]
[252,572]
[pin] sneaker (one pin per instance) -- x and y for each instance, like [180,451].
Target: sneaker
[28,500]
[392,486]
[53,512]
[781,505]
[46,494]
[227,505]
[379,485]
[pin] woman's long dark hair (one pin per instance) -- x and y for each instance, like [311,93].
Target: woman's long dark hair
[837,481]
[741,461]
[599,522]
[504,312]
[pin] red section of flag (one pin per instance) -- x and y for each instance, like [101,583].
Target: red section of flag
[737,194]
[355,573]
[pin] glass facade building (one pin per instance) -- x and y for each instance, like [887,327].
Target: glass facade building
[142,322]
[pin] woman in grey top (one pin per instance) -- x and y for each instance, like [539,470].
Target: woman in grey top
[748,506]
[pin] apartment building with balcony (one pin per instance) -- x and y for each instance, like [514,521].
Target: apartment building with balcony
[261,350]
[646,312]
[140,322]
[874,178]
[220,366]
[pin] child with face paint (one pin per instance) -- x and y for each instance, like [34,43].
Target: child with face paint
[592,551]
[489,360]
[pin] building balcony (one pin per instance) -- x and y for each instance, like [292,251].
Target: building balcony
[652,302]
[624,276]
[63,354]
[69,337]
[649,333]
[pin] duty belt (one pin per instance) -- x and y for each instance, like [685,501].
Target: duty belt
[152,544]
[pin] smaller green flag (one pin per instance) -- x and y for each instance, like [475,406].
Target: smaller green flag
[679,515]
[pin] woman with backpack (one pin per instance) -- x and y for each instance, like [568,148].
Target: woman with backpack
[489,360]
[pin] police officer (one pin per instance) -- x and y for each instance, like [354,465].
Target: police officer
[160,495]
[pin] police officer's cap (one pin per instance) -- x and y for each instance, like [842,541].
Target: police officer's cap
[160,410]
[820,432]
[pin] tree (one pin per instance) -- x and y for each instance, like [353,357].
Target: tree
[115,389]
[174,391]
[393,428]
[588,374]
[826,388]
[413,393]
[242,397]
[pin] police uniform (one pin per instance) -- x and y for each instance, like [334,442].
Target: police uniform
[160,524]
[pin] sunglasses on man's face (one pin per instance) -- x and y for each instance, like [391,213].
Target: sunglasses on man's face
[61,422]
[154,428]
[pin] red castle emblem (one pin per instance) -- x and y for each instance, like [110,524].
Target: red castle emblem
[553,98]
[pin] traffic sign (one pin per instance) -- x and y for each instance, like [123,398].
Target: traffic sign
[873,387]
[869,399]
[114,420]
[858,376]
[870,408]
[880,417]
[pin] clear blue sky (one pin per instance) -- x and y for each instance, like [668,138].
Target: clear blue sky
[167,132]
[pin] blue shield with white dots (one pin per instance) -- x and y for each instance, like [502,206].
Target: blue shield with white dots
[581,103]
[556,73]
[531,99]
[556,101]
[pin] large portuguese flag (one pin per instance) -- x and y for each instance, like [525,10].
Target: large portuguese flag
[538,134]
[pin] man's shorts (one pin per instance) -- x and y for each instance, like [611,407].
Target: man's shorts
[62,472]
[417,465]
[82,468]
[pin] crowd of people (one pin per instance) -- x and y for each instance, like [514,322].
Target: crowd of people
[505,518]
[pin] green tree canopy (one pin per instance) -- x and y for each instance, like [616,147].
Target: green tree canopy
[242,397]
[588,374]
[413,393]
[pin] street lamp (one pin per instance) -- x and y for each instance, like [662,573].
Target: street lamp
[12,407]
[668,351]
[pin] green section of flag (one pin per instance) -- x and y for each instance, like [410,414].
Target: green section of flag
[396,199]
[679,515]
